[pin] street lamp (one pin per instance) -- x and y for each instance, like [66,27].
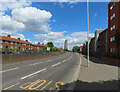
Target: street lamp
[88,32]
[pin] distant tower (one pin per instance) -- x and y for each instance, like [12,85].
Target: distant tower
[66,45]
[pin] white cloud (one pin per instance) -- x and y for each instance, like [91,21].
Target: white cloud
[12,4]
[50,35]
[9,24]
[20,20]
[72,6]
[34,19]
[58,38]
[95,14]
[53,20]
[13,34]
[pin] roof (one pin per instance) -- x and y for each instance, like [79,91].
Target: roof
[14,40]
[41,45]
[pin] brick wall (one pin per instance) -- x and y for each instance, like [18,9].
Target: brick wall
[13,58]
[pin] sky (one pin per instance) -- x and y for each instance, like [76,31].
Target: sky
[52,21]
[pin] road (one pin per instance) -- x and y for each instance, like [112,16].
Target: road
[43,74]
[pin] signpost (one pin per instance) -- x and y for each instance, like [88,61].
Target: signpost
[48,48]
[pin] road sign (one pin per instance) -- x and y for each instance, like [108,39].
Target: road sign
[48,48]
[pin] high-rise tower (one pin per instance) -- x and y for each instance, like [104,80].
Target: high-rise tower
[66,45]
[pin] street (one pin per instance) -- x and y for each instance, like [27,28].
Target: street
[43,74]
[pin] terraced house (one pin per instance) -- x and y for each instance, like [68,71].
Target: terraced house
[6,42]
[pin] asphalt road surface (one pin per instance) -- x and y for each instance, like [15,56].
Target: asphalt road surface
[44,74]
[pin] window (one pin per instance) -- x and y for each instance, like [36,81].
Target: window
[6,42]
[15,42]
[112,39]
[1,41]
[112,6]
[112,50]
[15,46]
[11,42]
[11,47]
[112,28]
[1,46]
[113,16]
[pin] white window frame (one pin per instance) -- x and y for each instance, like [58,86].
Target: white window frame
[1,46]
[111,7]
[1,41]
[11,42]
[112,28]
[113,16]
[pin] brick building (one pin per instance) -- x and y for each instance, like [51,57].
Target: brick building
[6,42]
[103,42]
[97,41]
[40,46]
[113,25]
[81,47]
[92,46]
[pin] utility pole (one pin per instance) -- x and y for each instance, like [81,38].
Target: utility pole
[88,32]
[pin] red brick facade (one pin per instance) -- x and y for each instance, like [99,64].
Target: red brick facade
[103,42]
[92,46]
[11,43]
[113,25]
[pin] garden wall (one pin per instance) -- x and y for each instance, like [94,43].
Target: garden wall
[13,58]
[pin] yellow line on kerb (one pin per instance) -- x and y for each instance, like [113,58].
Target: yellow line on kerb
[11,86]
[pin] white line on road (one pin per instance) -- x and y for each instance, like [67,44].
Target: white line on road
[32,74]
[9,69]
[35,63]
[56,64]
[64,60]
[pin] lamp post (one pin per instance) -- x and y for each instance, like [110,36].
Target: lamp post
[88,32]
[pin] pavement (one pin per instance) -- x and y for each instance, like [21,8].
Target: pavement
[68,72]
[99,76]
[43,74]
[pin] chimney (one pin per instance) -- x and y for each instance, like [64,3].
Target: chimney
[8,36]
[38,42]
[18,38]
[42,43]
[26,40]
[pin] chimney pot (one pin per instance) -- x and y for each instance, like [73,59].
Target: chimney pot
[18,38]
[8,36]
[26,40]
[38,42]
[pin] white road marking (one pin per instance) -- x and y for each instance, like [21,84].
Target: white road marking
[32,74]
[9,70]
[48,60]
[64,60]
[35,63]
[56,64]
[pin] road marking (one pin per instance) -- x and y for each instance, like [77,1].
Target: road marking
[48,60]
[46,86]
[11,86]
[9,69]
[56,64]
[64,60]
[35,63]
[32,74]
[33,87]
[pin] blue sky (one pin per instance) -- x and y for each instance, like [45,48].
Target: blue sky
[60,21]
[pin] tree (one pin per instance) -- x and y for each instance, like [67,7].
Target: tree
[76,49]
[50,44]
[44,48]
